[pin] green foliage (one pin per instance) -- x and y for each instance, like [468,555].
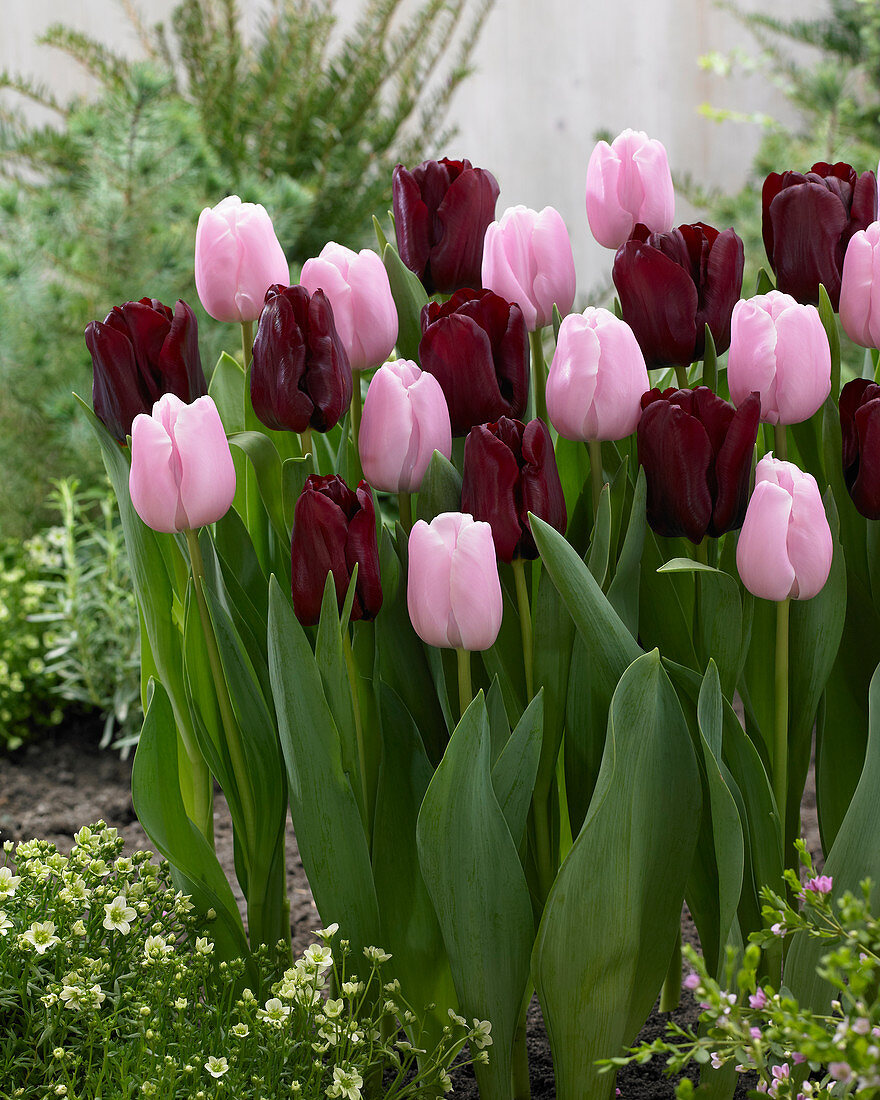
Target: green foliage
[100,204]
[109,986]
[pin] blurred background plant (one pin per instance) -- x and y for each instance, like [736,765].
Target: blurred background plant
[70,634]
[99,205]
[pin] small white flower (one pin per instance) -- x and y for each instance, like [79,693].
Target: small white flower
[72,996]
[8,882]
[480,1036]
[155,947]
[275,1013]
[216,1066]
[41,936]
[456,1019]
[79,928]
[347,1083]
[118,915]
[326,933]
[5,923]
[351,989]
[181,1003]
[317,957]
[204,945]
[240,1030]
[376,954]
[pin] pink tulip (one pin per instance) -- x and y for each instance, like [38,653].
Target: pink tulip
[779,349]
[860,288]
[597,377]
[405,420]
[784,549]
[182,474]
[453,590]
[629,182]
[357,287]
[238,258]
[527,259]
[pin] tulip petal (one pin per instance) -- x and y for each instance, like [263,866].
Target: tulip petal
[375,315]
[762,550]
[573,378]
[865,487]
[475,589]
[733,464]
[489,488]
[385,437]
[428,580]
[810,547]
[675,451]
[361,546]
[622,378]
[807,222]
[803,364]
[118,391]
[207,478]
[412,222]
[461,221]
[317,548]
[751,361]
[432,430]
[658,301]
[152,482]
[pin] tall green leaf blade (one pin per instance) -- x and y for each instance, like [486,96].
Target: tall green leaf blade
[623,592]
[612,918]
[409,298]
[513,774]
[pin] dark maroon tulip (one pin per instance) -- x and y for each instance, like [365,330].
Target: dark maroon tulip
[807,223]
[334,528]
[477,347]
[860,431]
[442,210]
[671,285]
[509,471]
[141,351]
[696,450]
[301,377]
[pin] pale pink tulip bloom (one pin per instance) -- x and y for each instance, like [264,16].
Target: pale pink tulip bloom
[860,288]
[597,377]
[182,475]
[453,591]
[784,549]
[779,349]
[405,420]
[238,258]
[629,182]
[527,259]
[357,287]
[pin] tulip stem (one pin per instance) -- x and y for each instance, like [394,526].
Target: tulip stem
[681,376]
[305,440]
[780,442]
[247,342]
[780,738]
[356,408]
[230,726]
[351,669]
[525,623]
[539,373]
[404,504]
[465,693]
[596,476]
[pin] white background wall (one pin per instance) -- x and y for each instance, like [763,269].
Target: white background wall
[549,74]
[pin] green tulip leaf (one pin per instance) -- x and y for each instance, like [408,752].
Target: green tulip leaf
[829,322]
[600,542]
[623,592]
[610,924]
[440,490]
[499,727]
[264,458]
[764,283]
[409,298]
[553,635]
[294,472]
[227,390]
[557,321]
[710,362]
[381,239]
[513,774]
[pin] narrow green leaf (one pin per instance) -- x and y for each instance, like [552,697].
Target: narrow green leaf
[764,283]
[409,298]
[264,458]
[226,388]
[710,362]
[294,472]
[440,490]
[381,239]
[600,543]
[499,727]
[623,592]
[513,775]
[829,321]
[557,321]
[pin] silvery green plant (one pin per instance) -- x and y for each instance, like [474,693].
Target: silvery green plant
[109,985]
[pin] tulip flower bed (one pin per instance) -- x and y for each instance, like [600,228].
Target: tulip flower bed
[484,632]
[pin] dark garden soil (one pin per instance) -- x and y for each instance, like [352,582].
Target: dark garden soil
[54,785]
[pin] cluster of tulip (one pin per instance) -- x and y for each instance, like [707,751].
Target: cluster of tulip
[594,772]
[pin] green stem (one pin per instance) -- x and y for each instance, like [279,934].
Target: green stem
[520,1056]
[305,438]
[404,504]
[780,442]
[525,623]
[230,726]
[247,342]
[539,373]
[701,551]
[465,693]
[597,478]
[681,377]
[351,669]
[670,994]
[780,732]
[356,409]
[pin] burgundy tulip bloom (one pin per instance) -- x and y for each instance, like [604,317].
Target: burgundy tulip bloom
[334,529]
[671,285]
[301,377]
[477,347]
[141,351]
[509,471]
[860,429]
[808,219]
[696,450]
[442,209]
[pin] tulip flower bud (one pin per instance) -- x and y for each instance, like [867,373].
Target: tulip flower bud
[860,432]
[597,377]
[527,259]
[300,377]
[784,549]
[182,474]
[441,212]
[405,420]
[860,288]
[696,451]
[629,182]
[671,285]
[509,471]
[334,529]
[477,347]
[141,351]
[807,222]
[780,350]
[453,591]
[357,287]
[238,258]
